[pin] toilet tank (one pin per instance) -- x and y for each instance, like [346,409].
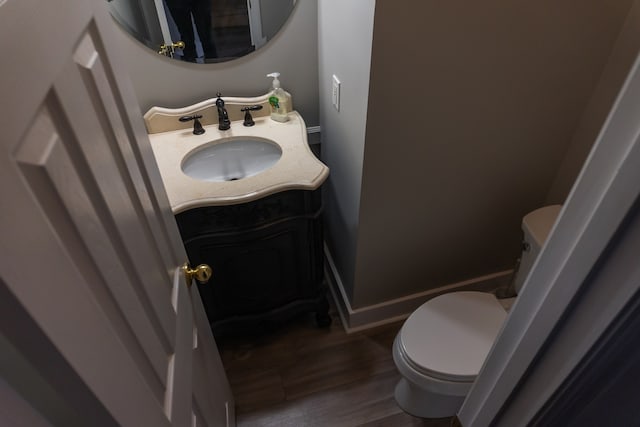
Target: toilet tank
[536,226]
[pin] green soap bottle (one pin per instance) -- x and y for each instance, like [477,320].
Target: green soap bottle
[279,100]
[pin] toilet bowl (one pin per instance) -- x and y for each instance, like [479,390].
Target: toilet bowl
[442,346]
[436,378]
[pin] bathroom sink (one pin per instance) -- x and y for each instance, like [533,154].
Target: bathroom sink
[235,166]
[231,159]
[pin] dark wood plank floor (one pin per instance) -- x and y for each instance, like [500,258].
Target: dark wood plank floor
[303,376]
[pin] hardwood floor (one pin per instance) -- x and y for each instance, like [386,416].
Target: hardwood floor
[303,376]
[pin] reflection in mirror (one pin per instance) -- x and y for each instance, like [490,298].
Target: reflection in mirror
[211,30]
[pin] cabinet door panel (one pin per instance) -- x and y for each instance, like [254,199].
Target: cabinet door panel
[254,271]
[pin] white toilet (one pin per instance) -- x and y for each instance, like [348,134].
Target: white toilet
[441,347]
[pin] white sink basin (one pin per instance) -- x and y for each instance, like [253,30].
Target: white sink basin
[231,159]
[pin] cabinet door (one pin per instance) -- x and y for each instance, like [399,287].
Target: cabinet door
[257,270]
[267,259]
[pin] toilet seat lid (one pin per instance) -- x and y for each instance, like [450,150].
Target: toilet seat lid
[449,336]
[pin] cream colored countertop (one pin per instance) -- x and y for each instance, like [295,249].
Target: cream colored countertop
[297,168]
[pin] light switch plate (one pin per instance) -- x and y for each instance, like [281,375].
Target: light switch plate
[335,92]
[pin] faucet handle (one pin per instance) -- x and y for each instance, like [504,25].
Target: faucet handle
[197,126]
[248,120]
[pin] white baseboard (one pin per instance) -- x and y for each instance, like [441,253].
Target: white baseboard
[357,319]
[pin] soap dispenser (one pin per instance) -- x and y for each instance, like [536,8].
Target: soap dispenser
[279,100]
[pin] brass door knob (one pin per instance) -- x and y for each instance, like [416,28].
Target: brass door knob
[201,273]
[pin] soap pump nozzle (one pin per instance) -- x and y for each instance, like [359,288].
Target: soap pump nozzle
[276,82]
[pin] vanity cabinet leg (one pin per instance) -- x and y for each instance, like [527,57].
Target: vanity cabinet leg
[322,314]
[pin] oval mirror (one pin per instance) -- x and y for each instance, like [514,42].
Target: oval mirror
[202,31]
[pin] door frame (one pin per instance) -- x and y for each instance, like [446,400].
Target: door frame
[602,196]
[163,21]
[255,23]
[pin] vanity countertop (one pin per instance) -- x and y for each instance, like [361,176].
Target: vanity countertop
[297,168]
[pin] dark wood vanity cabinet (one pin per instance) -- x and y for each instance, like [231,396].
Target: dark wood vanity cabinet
[267,260]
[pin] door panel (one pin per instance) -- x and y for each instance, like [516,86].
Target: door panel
[179,392]
[77,94]
[51,177]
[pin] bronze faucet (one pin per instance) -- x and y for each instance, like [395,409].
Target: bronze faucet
[223,117]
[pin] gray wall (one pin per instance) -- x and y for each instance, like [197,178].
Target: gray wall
[620,61]
[472,106]
[437,155]
[345,29]
[293,52]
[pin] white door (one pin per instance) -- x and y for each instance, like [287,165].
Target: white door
[97,323]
